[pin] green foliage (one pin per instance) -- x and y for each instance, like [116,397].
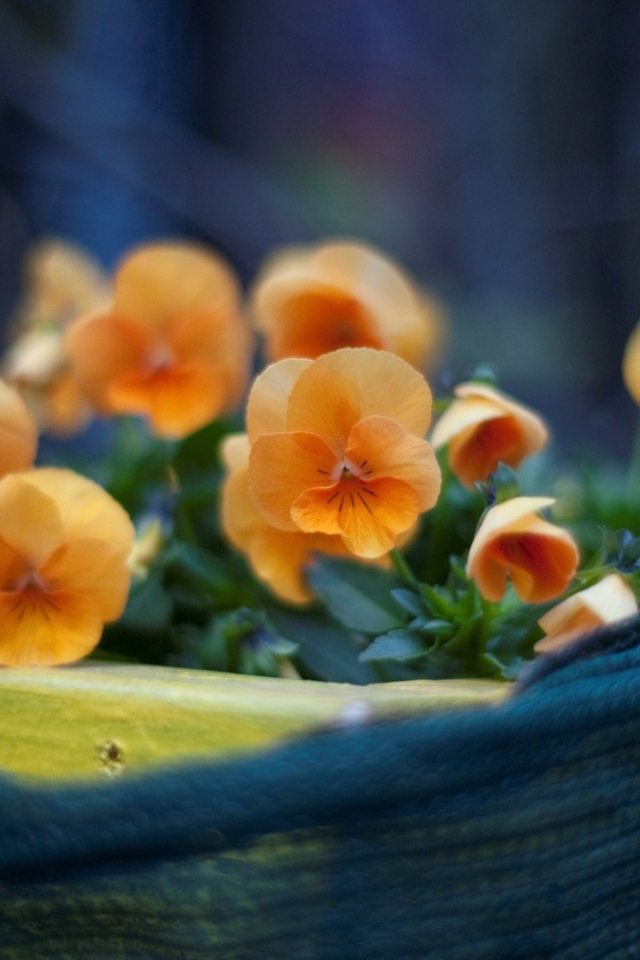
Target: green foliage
[244,641]
[359,597]
[450,631]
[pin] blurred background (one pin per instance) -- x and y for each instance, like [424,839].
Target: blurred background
[492,146]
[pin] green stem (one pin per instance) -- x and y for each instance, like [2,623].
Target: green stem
[633,473]
[401,567]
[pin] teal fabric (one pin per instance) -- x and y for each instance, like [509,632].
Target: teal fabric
[499,833]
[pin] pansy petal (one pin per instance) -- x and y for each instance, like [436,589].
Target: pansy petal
[477,452]
[489,576]
[46,629]
[385,449]
[234,452]
[240,517]
[355,384]
[161,281]
[279,558]
[104,348]
[93,569]
[317,510]
[13,568]
[371,525]
[631,364]
[608,601]
[18,432]
[178,400]
[269,397]
[459,417]
[30,520]
[541,563]
[86,510]
[281,467]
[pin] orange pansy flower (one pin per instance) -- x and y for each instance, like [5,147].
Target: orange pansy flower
[63,574]
[277,557]
[631,365]
[539,558]
[38,366]
[337,447]
[172,347]
[62,282]
[484,427]
[311,300]
[609,600]
[18,432]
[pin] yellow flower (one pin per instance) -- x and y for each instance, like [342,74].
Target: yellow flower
[483,427]
[64,544]
[312,300]
[18,432]
[337,447]
[173,347]
[609,600]
[539,558]
[277,557]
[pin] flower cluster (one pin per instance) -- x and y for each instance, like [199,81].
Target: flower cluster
[335,474]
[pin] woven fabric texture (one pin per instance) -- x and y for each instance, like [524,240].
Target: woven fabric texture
[502,833]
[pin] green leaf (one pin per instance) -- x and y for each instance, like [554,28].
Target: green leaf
[358,596]
[326,651]
[400,645]
[409,600]
[150,608]
[438,628]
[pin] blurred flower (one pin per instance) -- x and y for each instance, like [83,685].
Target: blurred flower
[173,347]
[311,300]
[18,432]
[148,543]
[337,447]
[539,558]
[631,365]
[38,366]
[62,282]
[63,574]
[609,600]
[277,557]
[483,427]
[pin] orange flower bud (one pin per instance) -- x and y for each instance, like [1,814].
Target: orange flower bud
[609,600]
[18,432]
[539,558]
[173,346]
[310,301]
[338,449]
[64,544]
[484,427]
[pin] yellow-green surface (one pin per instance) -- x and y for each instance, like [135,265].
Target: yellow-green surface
[92,719]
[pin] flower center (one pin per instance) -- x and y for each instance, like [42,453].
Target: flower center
[31,583]
[347,470]
[161,358]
